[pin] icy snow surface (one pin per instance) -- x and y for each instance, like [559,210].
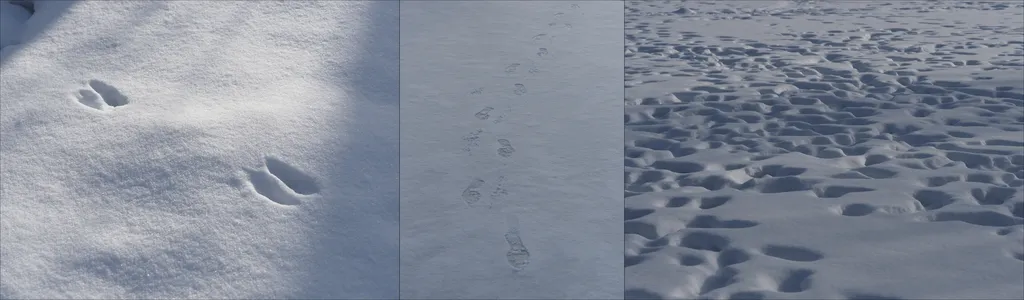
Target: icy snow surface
[824,150]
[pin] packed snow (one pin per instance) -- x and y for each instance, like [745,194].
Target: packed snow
[181,149]
[511,150]
[824,150]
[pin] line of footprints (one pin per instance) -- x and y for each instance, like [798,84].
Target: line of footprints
[518,255]
[276,180]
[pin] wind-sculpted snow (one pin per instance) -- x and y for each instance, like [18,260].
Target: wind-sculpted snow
[858,149]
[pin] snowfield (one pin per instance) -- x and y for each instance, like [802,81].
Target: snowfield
[511,173]
[178,149]
[824,150]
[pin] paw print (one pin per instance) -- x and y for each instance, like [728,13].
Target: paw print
[506,149]
[519,89]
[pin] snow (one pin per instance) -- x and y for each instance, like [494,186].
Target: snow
[789,149]
[173,149]
[511,150]
[824,150]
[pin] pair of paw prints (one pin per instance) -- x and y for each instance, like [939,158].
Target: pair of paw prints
[486,113]
[472,140]
[100,96]
[473,197]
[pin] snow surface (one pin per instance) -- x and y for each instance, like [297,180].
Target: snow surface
[511,150]
[825,150]
[178,149]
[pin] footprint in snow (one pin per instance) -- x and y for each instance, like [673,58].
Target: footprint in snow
[471,195]
[518,256]
[472,141]
[499,190]
[485,113]
[511,68]
[100,96]
[506,149]
[282,183]
[519,90]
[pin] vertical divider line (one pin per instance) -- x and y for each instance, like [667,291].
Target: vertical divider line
[398,288]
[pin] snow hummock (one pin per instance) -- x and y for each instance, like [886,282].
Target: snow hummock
[511,147]
[824,150]
[176,149]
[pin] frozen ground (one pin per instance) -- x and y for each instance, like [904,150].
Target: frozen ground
[182,149]
[511,151]
[825,150]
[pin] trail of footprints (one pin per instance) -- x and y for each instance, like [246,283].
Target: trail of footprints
[518,256]
[277,181]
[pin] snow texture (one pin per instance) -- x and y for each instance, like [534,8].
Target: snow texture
[511,150]
[824,150]
[177,149]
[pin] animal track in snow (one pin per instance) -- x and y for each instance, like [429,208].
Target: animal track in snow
[282,183]
[471,195]
[483,114]
[499,189]
[519,90]
[511,68]
[518,256]
[506,149]
[101,96]
[472,141]
[502,115]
